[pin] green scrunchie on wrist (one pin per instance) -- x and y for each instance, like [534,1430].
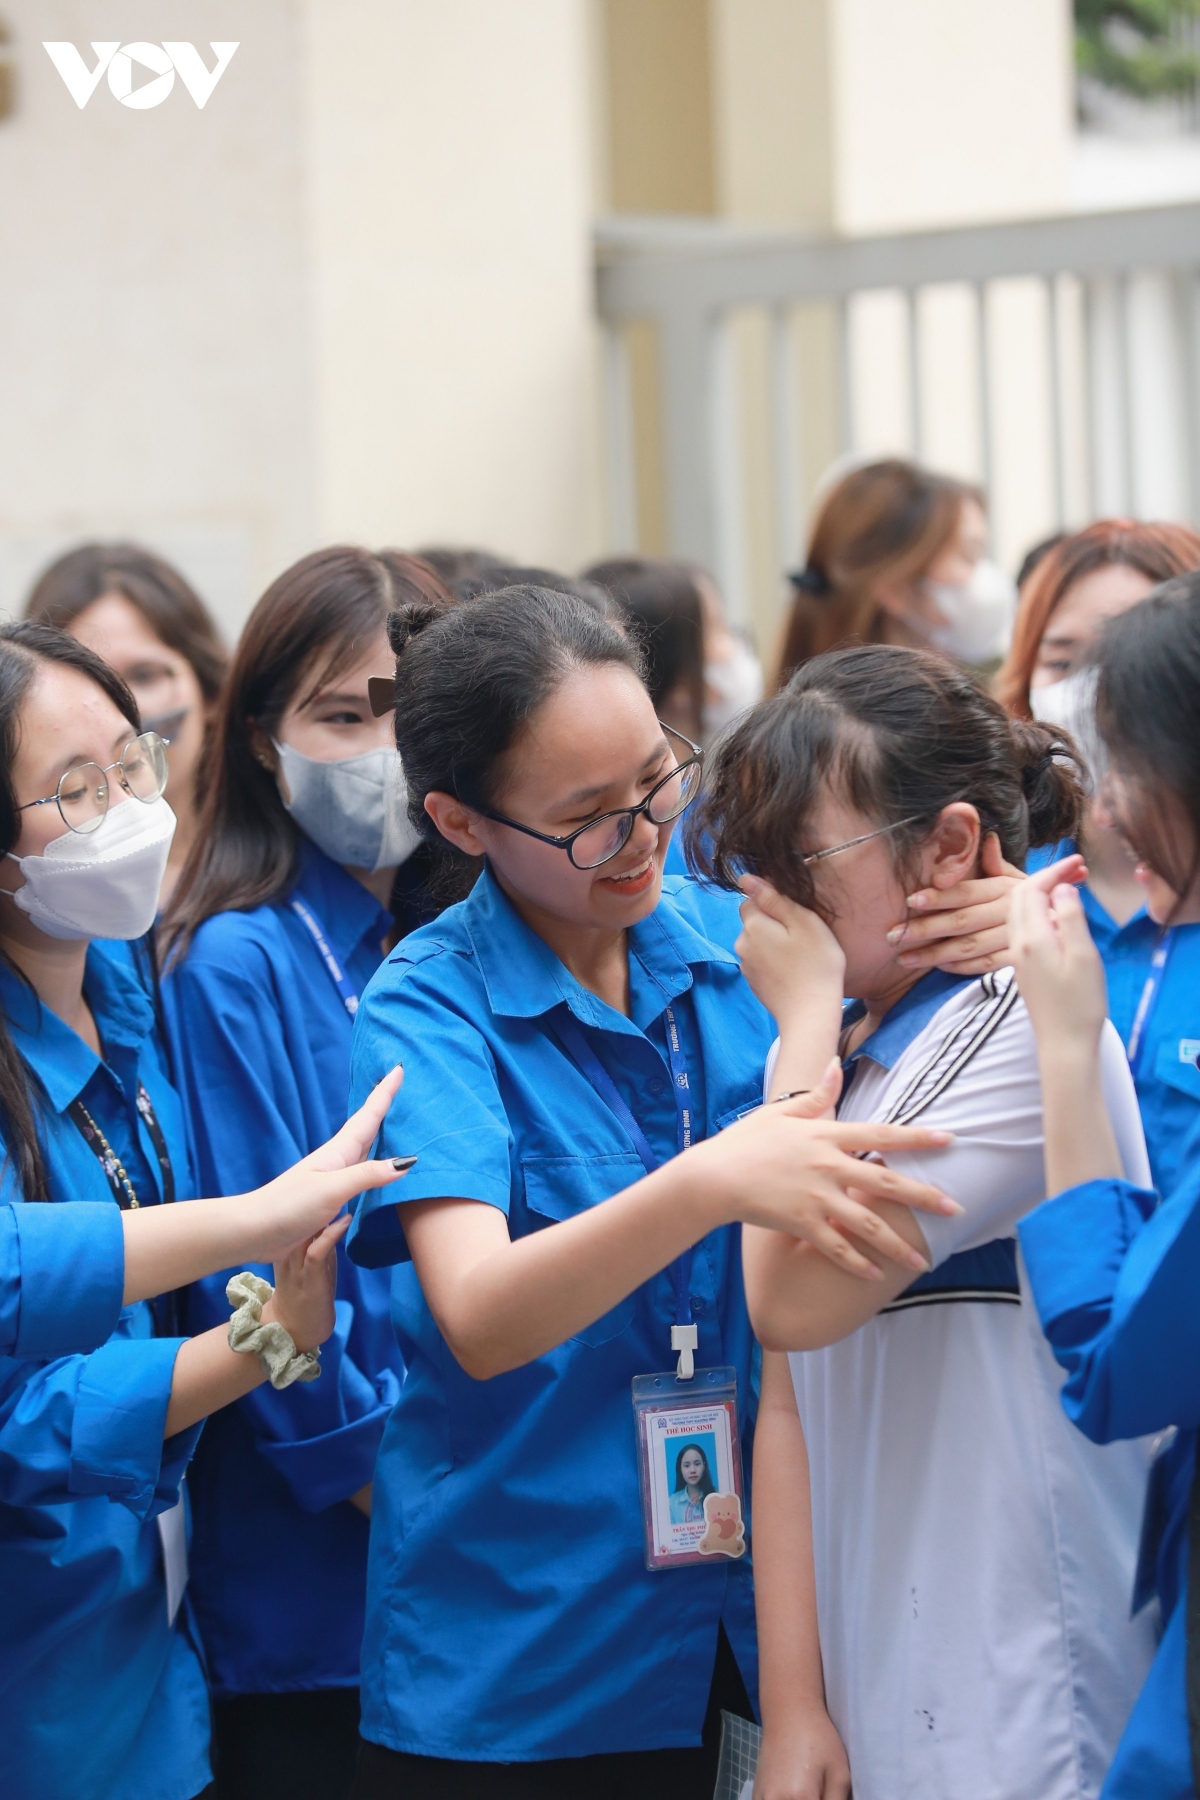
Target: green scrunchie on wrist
[271,1342]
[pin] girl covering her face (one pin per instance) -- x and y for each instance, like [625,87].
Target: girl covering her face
[972,1560]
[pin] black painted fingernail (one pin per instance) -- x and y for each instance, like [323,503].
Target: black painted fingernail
[403,1163]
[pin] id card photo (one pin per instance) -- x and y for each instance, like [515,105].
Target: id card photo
[693,1487]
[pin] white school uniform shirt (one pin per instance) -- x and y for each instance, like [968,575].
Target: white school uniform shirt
[974,1552]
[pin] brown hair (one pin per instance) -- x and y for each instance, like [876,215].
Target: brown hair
[168,603]
[1156,551]
[312,623]
[903,733]
[887,521]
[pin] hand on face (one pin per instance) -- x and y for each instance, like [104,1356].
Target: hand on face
[788,954]
[965,928]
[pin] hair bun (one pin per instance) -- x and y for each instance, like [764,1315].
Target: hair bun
[1052,779]
[409,621]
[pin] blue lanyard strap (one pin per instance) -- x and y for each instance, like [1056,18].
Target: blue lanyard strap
[337,974]
[585,1059]
[1145,1009]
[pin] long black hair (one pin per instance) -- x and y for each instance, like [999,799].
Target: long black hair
[23,649]
[1148,713]
[903,733]
[705,1484]
[314,621]
[469,680]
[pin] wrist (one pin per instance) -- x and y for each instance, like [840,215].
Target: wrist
[271,1314]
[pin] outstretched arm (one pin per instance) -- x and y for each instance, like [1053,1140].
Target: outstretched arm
[169,1246]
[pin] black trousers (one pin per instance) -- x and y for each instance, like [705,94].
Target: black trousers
[625,1775]
[285,1746]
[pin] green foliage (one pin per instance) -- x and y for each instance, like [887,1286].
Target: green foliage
[1129,45]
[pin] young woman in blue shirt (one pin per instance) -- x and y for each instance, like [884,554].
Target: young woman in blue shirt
[278,923]
[1153,978]
[1115,1269]
[515,1641]
[102,1693]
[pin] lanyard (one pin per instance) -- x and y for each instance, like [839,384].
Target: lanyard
[337,974]
[684,1335]
[164,1307]
[1148,1001]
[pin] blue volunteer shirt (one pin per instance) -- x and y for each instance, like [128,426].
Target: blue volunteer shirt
[1115,1274]
[510,1616]
[61,1277]
[99,1697]
[1166,1077]
[261,1042]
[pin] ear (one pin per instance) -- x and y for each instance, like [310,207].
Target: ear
[951,851]
[456,822]
[262,749]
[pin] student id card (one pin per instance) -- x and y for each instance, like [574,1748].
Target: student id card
[690,1467]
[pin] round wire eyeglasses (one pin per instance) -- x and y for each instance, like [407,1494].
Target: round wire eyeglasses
[82,794]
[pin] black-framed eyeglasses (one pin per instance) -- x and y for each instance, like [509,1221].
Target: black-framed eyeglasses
[601,839]
[82,794]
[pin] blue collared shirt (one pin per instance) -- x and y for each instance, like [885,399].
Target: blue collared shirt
[510,1615]
[61,1277]
[1115,1274]
[99,1697]
[261,1042]
[1166,1078]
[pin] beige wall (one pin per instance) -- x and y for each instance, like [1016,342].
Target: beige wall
[451,215]
[351,297]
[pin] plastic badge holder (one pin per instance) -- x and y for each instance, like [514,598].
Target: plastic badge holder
[672,1418]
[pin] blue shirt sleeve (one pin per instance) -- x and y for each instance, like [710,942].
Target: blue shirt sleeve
[92,1425]
[246,1124]
[62,1272]
[449,1111]
[1114,1275]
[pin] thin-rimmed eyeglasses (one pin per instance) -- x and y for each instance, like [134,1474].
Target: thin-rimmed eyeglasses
[82,794]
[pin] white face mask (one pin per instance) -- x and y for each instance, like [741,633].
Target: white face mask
[731,688]
[978,615]
[103,883]
[1071,703]
[355,810]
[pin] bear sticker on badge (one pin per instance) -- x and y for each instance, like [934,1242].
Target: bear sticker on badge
[726,1533]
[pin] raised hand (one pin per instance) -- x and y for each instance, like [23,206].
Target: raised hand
[965,929]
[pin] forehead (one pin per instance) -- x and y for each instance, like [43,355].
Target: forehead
[1095,597]
[595,726]
[65,713]
[346,665]
[115,627]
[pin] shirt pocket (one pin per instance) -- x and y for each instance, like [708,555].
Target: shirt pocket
[1175,1069]
[558,1188]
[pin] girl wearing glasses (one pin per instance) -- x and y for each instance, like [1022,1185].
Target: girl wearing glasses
[303,870]
[956,1590]
[102,1693]
[515,1642]
[149,624]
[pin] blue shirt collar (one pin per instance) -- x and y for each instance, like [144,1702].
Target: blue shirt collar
[344,909]
[907,1019]
[58,1056]
[524,978]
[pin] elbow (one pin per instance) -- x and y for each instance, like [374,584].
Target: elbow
[476,1354]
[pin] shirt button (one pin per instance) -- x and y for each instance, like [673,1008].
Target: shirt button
[698,1304]
[656,1084]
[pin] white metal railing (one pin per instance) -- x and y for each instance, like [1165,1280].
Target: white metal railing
[692,278]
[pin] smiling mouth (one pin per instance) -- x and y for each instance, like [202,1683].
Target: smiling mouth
[635,878]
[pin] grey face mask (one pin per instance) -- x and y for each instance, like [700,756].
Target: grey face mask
[355,810]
